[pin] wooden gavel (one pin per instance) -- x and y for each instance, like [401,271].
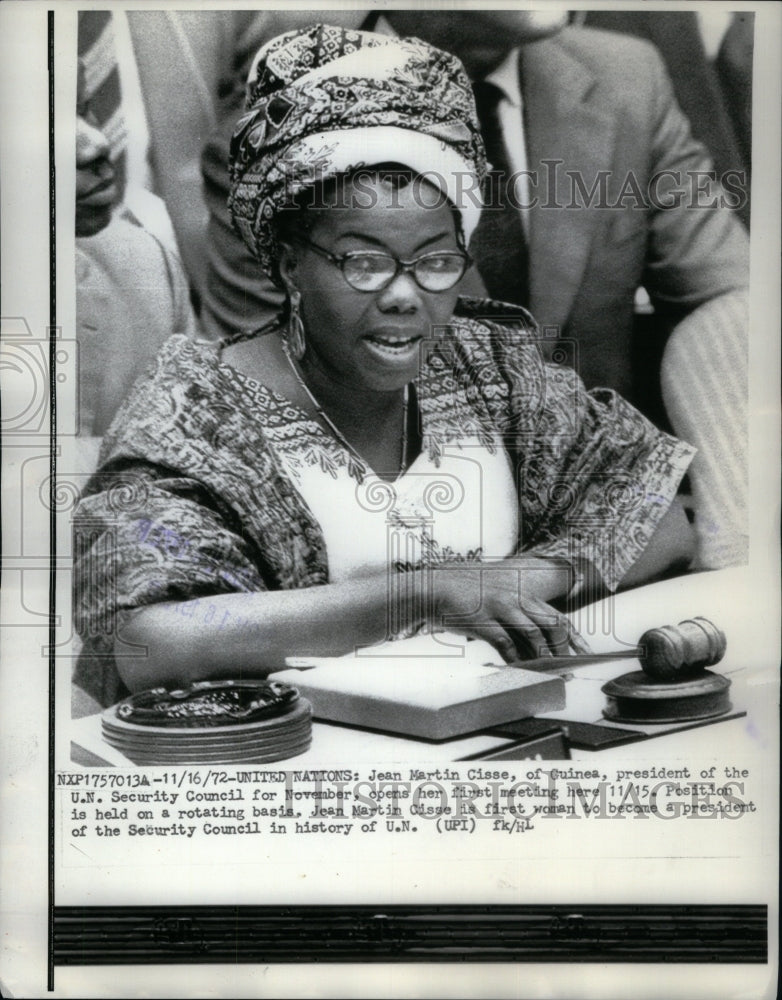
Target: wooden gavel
[669,653]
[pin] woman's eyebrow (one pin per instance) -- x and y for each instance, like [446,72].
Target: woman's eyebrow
[433,239]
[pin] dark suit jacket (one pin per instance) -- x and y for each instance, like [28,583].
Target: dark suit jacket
[601,102]
[593,102]
[716,96]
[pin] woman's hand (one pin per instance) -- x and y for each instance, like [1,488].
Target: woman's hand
[506,603]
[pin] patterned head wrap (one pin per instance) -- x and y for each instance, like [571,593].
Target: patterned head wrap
[327,100]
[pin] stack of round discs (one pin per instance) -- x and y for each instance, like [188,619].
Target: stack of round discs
[636,697]
[211,722]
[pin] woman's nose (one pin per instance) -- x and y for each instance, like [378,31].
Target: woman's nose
[402,295]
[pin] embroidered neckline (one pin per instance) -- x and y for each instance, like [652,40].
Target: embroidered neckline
[443,425]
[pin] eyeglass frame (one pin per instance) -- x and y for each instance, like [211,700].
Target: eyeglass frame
[403,266]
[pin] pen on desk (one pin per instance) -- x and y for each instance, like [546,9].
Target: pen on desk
[572,660]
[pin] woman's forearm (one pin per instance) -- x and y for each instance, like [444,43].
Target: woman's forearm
[545,577]
[670,549]
[250,635]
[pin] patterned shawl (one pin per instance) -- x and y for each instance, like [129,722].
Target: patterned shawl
[193,499]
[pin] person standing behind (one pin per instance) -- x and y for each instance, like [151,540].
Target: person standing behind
[708,55]
[131,290]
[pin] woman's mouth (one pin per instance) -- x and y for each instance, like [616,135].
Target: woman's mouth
[392,347]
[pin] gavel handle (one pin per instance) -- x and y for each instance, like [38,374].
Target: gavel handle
[571,661]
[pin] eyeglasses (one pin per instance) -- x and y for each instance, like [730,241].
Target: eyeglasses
[374,270]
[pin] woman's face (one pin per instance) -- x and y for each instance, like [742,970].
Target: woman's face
[372,339]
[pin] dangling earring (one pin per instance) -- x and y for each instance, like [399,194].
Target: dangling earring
[295,336]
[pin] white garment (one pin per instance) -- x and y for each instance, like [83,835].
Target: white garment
[713,25]
[131,296]
[463,509]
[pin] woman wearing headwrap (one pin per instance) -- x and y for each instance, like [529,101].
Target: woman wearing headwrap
[388,457]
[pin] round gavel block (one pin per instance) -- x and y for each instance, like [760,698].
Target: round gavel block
[677,652]
[634,697]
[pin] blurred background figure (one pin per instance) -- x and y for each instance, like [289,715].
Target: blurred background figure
[110,86]
[704,378]
[708,55]
[97,177]
[131,290]
[135,232]
[155,80]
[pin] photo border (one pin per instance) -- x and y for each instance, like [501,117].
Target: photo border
[575,926]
